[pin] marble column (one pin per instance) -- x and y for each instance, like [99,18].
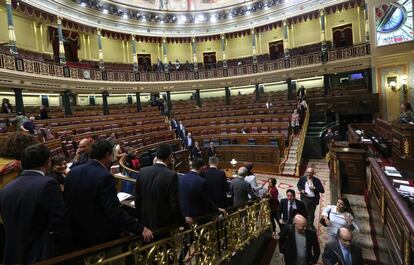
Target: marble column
[105,95]
[18,96]
[134,54]
[257,91]
[138,99]
[254,49]
[366,22]
[12,35]
[327,83]
[291,89]
[62,57]
[100,51]
[66,102]
[194,51]
[228,94]
[164,53]
[198,97]
[324,46]
[169,103]
[223,49]
[286,42]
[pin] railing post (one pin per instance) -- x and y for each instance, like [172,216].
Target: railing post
[138,99]
[105,95]
[66,102]
[228,94]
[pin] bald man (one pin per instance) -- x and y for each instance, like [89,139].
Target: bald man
[299,244]
[342,251]
[82,153]
[310,188]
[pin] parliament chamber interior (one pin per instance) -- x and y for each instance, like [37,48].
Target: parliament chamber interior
[240,132]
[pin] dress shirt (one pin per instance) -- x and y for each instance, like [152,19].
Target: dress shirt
[346,252]
[34,170]
[308,192]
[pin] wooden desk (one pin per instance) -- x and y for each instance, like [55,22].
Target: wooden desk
[347,171]
[266,158]
[403,146]
[397,218]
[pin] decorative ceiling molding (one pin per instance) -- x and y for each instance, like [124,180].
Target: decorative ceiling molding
[34,82]
[74,12]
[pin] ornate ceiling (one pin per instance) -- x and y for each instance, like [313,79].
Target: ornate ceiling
[178,18]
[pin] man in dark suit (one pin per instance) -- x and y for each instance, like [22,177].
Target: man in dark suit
[298,244]
[195,200]
[342,251]
[174,126]
[92,201]
[217,186]
[157,197]
[211,150]
[181,130]
[241,189]
[32,210]
[289,207]
[310,188]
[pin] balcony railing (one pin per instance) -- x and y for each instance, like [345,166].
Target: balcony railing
[210,242]
[11,62]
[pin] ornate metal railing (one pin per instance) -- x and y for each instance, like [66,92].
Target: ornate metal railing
[213,242]
[12,62]
[301,143]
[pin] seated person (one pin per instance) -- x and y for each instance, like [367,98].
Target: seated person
[29,126]
[407,114]
[132,161]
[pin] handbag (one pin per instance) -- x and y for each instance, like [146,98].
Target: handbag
[322,221]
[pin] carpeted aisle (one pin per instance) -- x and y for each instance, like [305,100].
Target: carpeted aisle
[373,245]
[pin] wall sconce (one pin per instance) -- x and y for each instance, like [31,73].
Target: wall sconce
[392,83]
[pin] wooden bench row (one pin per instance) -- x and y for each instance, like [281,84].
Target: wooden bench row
[244,139]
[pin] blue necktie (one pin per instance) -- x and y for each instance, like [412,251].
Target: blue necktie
[348,259]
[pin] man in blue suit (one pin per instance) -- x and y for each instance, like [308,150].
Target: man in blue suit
[310,188]
[32,210]
[92,201]
[194,197]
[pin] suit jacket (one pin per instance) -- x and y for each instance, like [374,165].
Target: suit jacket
[196,153]
[174,124]
[287,245]
[284,209]
[195,201]
[217,186]
[157,197]
[241,189]
[211,152]
[333,254]
[316,182]
[32,207]
[96,212]
[185,142]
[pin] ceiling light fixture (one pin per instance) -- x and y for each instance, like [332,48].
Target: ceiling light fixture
[83,4]
[105,11]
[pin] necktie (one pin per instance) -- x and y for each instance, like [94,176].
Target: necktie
[348,259]
[290,211]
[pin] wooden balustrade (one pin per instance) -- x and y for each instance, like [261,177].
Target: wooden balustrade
[397,218]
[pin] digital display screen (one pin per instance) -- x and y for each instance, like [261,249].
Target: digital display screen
[394,22]
[356,76]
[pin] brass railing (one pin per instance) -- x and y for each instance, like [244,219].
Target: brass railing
[12,62]
[214,242]
[301,143]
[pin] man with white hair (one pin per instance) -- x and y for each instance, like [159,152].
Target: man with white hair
[241,189]
[299,244]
